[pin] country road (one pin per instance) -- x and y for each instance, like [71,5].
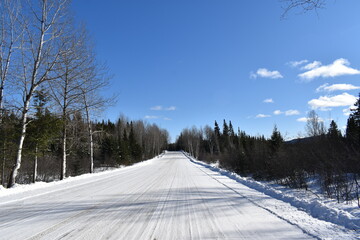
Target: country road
[169,197]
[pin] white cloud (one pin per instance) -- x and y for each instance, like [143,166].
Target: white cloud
[297,63]
[338,68]
[292,112]
[172,108]
[262,116]
[305,119]
[156,108]
[161,108]
[336,87]
[253,75]
[325,102]
[268,100]
[167,119]
[314,64]
[278,112]
[265,73]
[347,111]
[151,117]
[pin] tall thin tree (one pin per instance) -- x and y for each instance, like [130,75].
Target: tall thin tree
[44,22]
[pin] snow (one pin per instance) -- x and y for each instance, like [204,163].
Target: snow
[321,208]
[169,197]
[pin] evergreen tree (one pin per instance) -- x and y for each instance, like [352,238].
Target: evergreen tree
[356,112]
[217,138]
[225,129]
[224,139]
[231,129]
[333,131]
[353,124]
[276,140]
[43,129]
[8,135]
[217,130]
[124,149]
[134,147]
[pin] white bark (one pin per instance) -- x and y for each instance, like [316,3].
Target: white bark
[91,142]
[9,36]
[43,60]
[90,134]
[3,166]
[17,165]
[35,164]
[64,154]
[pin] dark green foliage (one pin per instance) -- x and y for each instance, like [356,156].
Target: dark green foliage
[134,147]
[351,130]
[225,131]
[217,130]
[333,131]
[44,128]
[9,130]
[330,157]
[115,144]
[353,125]
[276,140]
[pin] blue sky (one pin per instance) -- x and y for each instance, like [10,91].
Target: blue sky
[190,62]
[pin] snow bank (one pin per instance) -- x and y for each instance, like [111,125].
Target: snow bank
[316,208]
[24,191]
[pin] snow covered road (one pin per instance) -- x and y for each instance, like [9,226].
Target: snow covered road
[164,198]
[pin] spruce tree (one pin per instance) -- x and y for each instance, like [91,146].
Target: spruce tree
[333,131]
[276,140]
[224,140]
[124,148]
[353,124]
[134,147]
[231,130]
[42,129]
[217,138]
[217,130]
[225,129]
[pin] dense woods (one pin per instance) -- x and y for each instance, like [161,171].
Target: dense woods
[325,155]
[122,142]
[50,93]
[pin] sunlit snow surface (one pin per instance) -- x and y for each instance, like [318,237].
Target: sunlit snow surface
[170,197]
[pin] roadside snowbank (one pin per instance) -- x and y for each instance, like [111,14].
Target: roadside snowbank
[323,209]
[24,191]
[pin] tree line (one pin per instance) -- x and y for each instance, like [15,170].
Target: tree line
[50,94]
[114,143]
[328,156]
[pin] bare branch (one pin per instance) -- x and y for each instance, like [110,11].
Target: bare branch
[304,5]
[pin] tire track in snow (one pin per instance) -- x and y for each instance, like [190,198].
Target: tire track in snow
[252,201]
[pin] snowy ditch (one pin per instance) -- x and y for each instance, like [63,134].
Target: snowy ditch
[324,209]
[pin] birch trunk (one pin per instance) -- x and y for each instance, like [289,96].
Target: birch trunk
[64,136]
[7,21]
[3,166]
[35,164]
[32,87]
[64,156]
[17,164]
[91,142]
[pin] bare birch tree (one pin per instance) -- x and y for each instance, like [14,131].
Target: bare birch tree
[314,125]
[95,79]
[9,35]
[44,23]
[66,91]
[304,5]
